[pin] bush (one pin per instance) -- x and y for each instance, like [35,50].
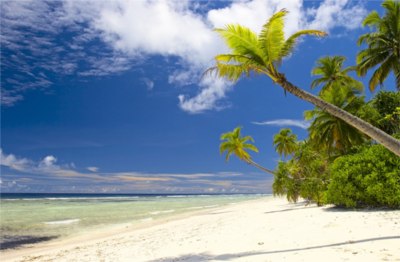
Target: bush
[370,177]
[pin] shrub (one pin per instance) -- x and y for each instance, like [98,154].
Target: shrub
[369,177]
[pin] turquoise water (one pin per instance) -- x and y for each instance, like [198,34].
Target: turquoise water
[30,220]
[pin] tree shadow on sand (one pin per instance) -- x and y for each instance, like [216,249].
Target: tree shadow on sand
[290,209]
[227,257]
[365,209]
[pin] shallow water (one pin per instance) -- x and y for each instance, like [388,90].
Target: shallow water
[30,219]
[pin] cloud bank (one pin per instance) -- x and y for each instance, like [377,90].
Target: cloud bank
[46,175]
[96,38]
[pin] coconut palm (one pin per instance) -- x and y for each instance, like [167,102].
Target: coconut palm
[285,142]
[234,143]
[332,75]
[330,132]
[339,89]
[383,45]
[262,54]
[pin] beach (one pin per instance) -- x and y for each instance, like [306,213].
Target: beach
[265,229]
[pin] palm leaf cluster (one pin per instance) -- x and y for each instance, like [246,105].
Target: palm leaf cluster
[260,53]
[285,142]
[383,45]
[237,145]
[332,75]
[234,144]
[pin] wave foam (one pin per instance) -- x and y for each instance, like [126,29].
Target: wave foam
[62,222]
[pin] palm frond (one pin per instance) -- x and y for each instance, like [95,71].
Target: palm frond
[230,72]
[368,58]
[289,44]
[317,82]
[241,40]
[247,138]
[372,19]
[272,37]
[251,147]
[380,74]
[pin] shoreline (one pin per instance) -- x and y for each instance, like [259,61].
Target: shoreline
[265,229]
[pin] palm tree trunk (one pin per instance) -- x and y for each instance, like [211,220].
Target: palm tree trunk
[251,162]
[378,135]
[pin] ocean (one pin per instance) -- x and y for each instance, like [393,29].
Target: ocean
[32,218]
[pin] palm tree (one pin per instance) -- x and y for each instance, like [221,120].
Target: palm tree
[337,88]
[330,132]
[234,143]
[383,49]
[332,75]
[263,53]
[285,142]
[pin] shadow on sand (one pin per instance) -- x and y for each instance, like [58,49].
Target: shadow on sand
[18,241]
[227,257]
[290,209]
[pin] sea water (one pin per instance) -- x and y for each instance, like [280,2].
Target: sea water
[31,218]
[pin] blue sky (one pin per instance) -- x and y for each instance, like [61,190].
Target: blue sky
[107,96]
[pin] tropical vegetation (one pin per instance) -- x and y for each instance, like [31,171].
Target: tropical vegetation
[351,157]
[263,53]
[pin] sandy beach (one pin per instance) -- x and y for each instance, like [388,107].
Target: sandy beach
[266,229]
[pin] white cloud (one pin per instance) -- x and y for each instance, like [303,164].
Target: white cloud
[149,83]
[213,90]
[48,162]
[253,14]
[285,122]
[11,161]
[336,13]
[132,30]
[45,166]
[93,169]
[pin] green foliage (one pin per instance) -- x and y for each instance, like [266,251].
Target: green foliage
[312,172]
[305,175]
[370,177]
[388,106]
[285,183]
[383,111]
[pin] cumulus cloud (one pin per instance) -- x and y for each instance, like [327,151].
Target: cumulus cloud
[336,13]
[48,165]
[213,90]
[11,161]
[48,162]
[285,123]
[97,38]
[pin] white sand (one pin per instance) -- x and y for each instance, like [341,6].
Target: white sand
[262,230]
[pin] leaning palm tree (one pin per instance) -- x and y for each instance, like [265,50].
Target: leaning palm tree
[234,143]
[263,53]
[331,74]
[383,45]
[285,142]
